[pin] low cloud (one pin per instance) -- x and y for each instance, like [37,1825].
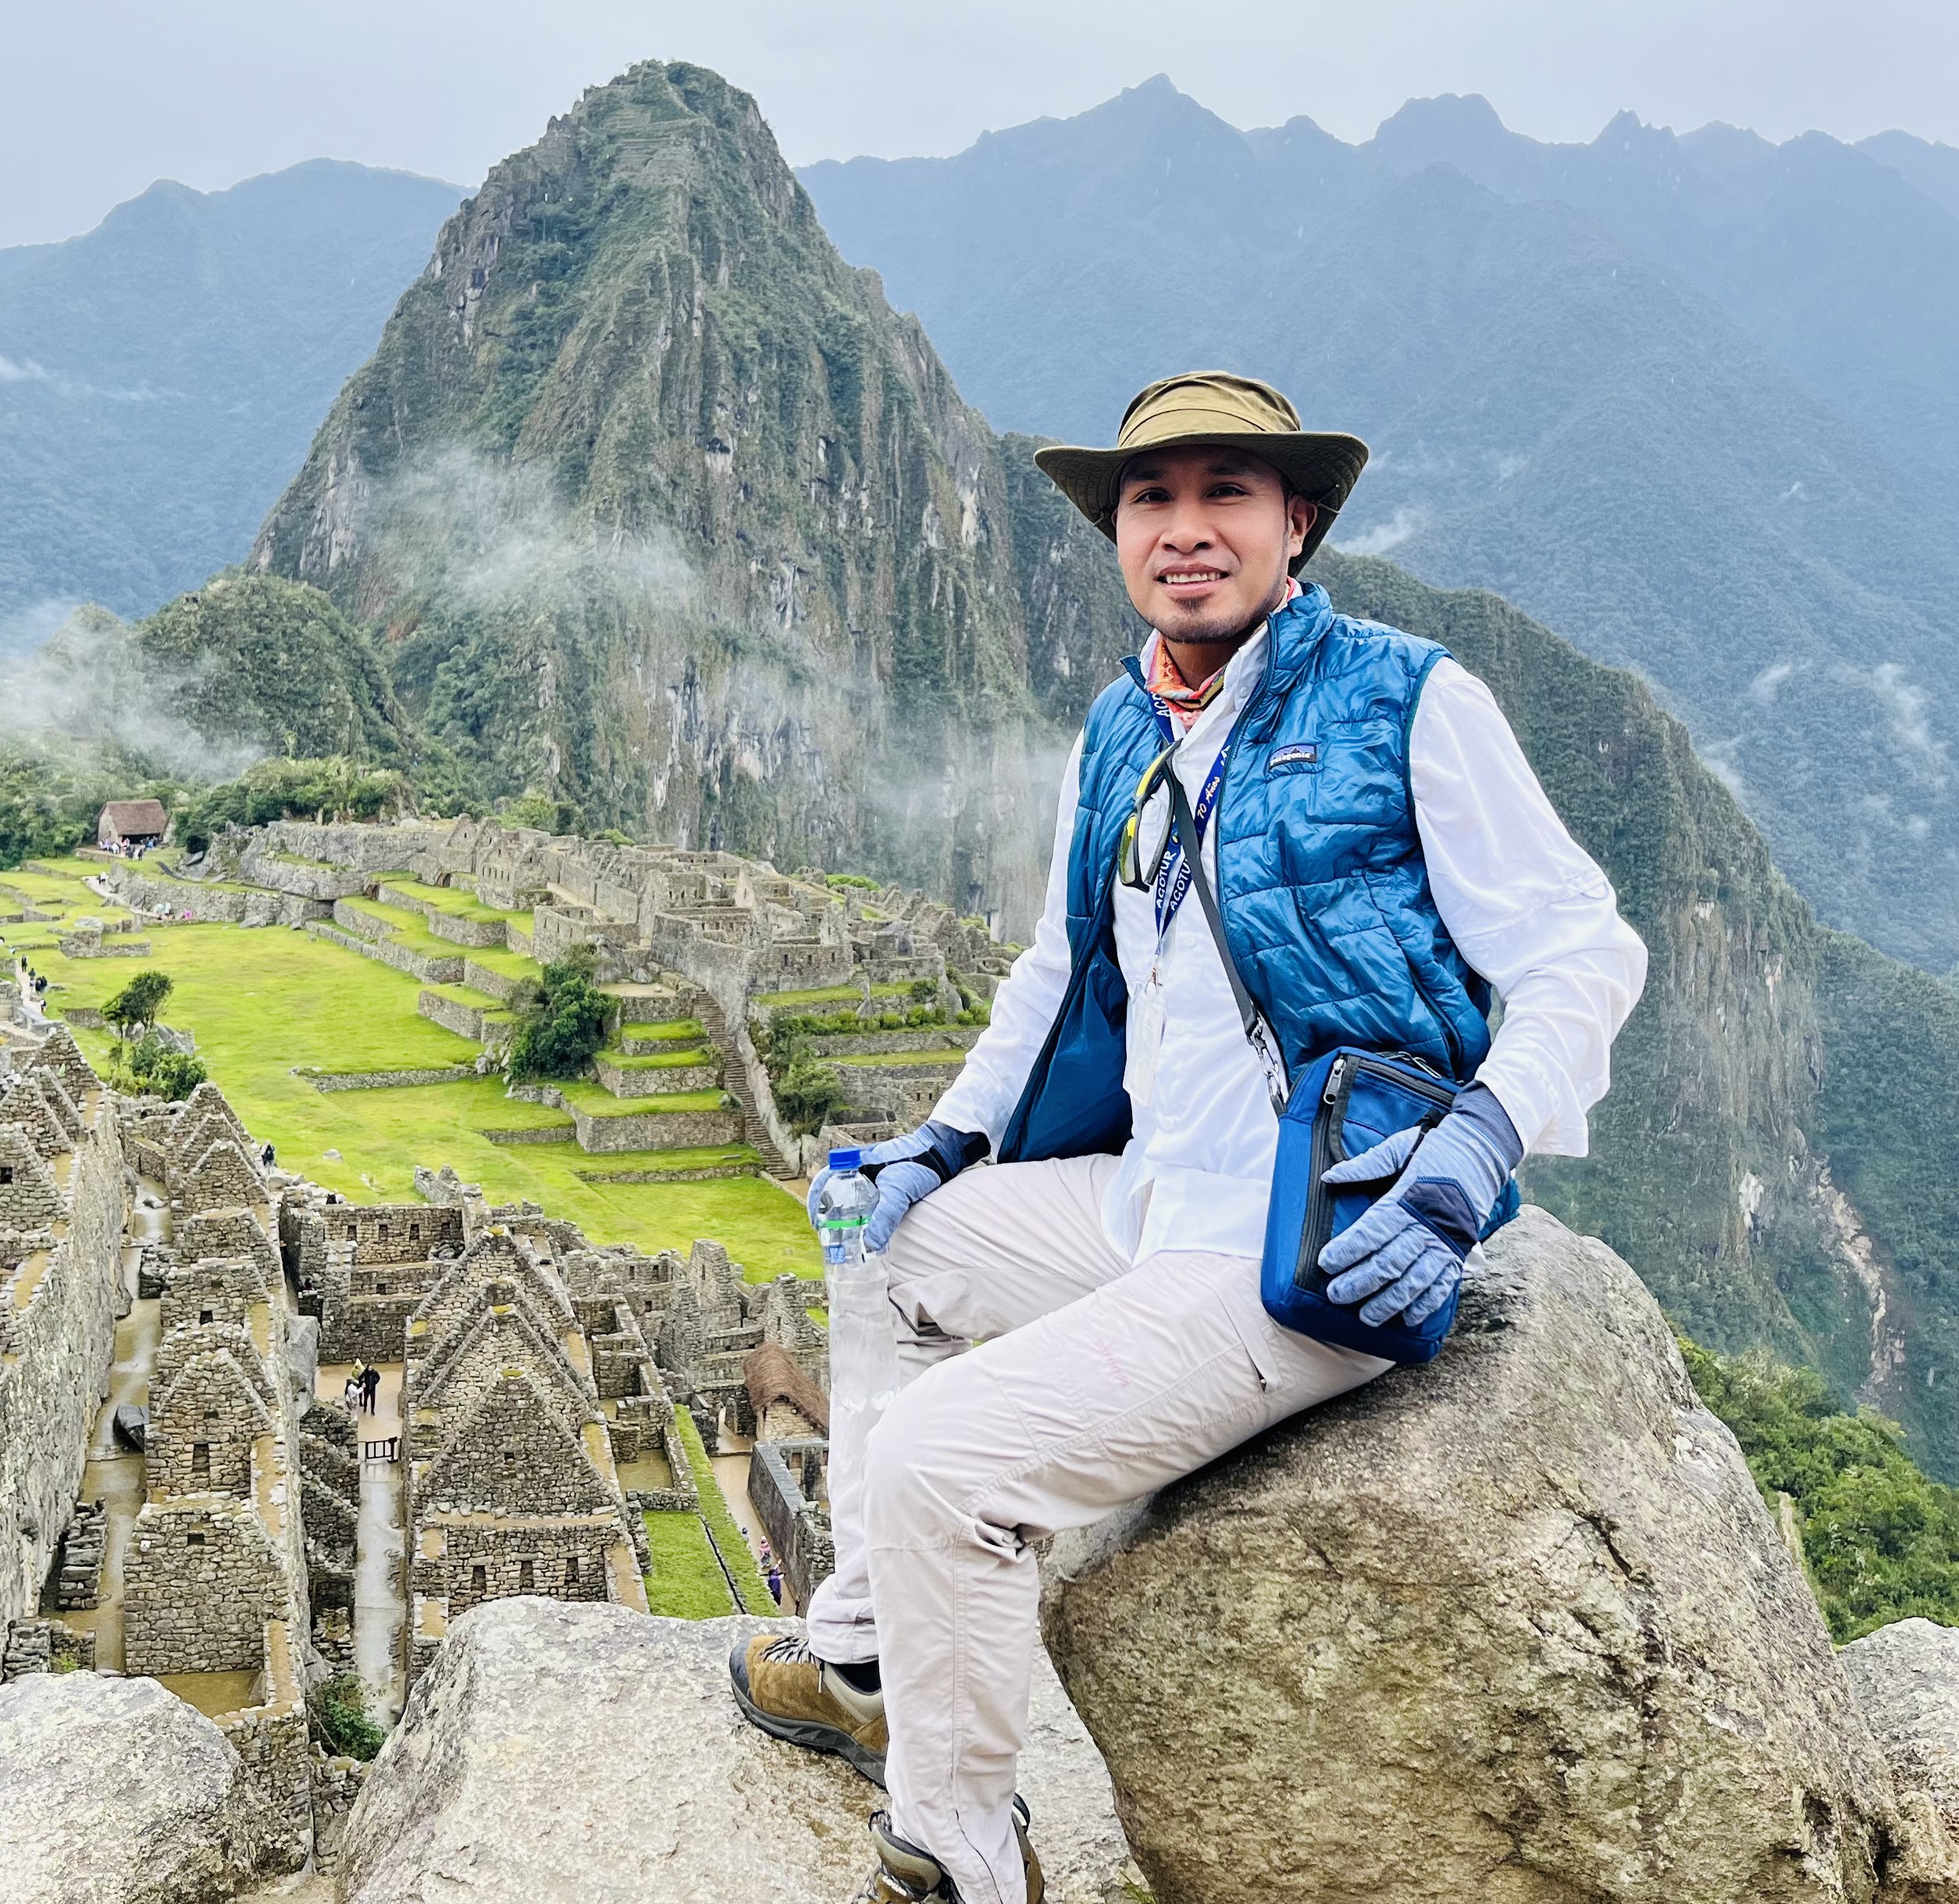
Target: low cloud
[25,370]
[1407,521]
[1907,709]
[91,682]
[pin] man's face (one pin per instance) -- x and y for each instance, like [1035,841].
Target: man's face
[1204,533]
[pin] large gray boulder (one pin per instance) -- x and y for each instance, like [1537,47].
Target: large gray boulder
[1514,1628]
[556,1754]
[115,1792]
[1906,1680]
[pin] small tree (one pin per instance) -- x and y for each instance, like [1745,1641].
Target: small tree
[139,1002]
[560,1021]
[807,1091]
[153,1067]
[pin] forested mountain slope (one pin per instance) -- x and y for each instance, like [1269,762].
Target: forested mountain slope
[664,511]
[1556,414]
[1841,263]
[160,376]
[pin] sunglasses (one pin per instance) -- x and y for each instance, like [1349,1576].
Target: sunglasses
[1131,869]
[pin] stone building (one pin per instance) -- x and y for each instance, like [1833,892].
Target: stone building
[362,1268]
[511,1484]
[132,823]
[215,1579]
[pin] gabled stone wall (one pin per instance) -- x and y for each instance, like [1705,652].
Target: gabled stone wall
[201,1580]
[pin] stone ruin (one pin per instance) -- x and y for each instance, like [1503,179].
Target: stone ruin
[543,1379]
[216,1579]
[62,1211]
[706,935]
[511,1485]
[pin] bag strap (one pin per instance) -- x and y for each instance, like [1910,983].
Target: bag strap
[1258,1032]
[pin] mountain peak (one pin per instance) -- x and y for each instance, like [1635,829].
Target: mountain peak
[1461,130]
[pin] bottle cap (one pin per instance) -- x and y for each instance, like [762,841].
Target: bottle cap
[846,1160]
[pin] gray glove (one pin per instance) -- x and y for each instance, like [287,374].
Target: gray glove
[1405,1257]
[906,1168]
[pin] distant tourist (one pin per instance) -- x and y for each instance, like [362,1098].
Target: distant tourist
[351,1395]
[265,1156]
[1379,859]
[370,1388]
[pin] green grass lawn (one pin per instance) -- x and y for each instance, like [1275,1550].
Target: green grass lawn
[830,995]
[60,891]
[262,1001]
[669,1030]
[756,1597]
[663,1060]
[457,903]
[686,1582]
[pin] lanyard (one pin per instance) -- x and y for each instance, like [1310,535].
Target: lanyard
[1174,876]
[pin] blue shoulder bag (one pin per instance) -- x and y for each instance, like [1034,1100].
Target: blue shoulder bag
[1348,1101]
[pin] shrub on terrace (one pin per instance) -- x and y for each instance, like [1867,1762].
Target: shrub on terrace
[560,1021]
[155,1068]
[807,1091]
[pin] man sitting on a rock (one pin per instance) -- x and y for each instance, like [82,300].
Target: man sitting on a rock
[1366,811]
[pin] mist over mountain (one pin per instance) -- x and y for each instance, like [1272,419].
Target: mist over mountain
[1581,389]
[161,375]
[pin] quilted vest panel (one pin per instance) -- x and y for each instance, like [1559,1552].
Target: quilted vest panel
[1325,894]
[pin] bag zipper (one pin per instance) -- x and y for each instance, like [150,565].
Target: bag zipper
[1328,1120]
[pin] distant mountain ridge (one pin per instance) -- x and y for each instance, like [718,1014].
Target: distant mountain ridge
[1557,413]
[161,375]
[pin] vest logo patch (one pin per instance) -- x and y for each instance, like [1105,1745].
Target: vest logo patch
[1301,753]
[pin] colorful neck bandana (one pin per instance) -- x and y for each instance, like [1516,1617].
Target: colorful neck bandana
[1180,702]
[1168,688]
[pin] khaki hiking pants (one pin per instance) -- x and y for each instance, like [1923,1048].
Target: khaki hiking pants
[1095,1382]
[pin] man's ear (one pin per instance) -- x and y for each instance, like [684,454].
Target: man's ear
[1302,515]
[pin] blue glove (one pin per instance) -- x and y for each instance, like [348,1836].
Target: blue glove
[906,1168]
[1405,1256]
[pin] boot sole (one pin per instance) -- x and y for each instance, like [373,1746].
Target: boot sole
[812,1734]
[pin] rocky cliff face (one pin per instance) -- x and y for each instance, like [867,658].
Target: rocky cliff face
[664,509]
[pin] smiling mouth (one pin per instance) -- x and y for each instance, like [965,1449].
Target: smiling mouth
[1188,577]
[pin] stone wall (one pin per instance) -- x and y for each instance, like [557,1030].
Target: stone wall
[60,1300]
[389,1080]
[566,1560]
[201,1580]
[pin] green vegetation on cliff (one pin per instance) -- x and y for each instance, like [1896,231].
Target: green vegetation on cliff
[275,664]
[666,513]
[1880,1539]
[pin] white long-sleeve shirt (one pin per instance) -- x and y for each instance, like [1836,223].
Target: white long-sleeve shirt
[1526,906]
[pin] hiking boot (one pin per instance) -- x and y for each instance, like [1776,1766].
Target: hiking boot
[906,1875]
[787,1690]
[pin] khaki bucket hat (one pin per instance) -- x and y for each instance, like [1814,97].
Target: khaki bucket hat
[1212,406]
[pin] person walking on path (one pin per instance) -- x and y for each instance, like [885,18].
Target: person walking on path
[370,1388]
[1380,857]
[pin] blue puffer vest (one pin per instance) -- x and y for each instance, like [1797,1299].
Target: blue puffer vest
[1325,895]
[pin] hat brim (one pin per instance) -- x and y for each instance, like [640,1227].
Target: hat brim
[1322,465]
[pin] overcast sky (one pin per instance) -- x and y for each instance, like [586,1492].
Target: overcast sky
[99,98]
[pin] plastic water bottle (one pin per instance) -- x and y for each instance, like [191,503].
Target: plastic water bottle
[864,1350]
